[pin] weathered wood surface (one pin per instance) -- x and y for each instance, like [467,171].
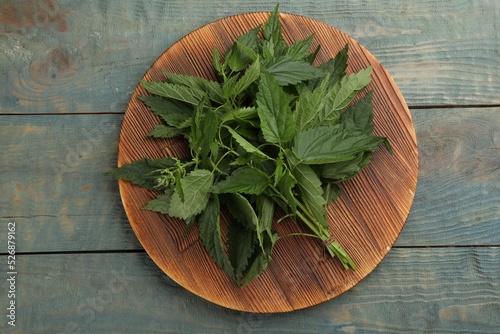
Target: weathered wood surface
[66,57]
[443,290]
[439,53]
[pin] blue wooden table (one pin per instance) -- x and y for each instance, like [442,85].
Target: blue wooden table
[67,70]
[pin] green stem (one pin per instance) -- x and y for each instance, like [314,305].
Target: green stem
[333,247]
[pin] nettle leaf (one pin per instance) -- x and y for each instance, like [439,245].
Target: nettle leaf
[359,116]
[245,180]
[211,235]
[165,131]
[310,189]
[195,186]
[312,57]
[341,95]
[324,144]
[212,88]
[174,113]
[144,172]
[241,209]
[286,185]
[182,93]
[344,170]
[245,144]
[301,49]
[216,62]
[241,114]
[249,51]
[310,104]
[336,67]
[272,27]
[276,117]
[331,192]
[265,214]
[260,260]
[344,92]
[250,76]
[203,131]
[228,87]
[242,242]
[237,58]
[289,71]
[160,204]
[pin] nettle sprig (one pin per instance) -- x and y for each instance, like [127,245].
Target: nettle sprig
[274,132]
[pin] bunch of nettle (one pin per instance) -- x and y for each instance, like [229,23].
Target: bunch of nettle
[275,133]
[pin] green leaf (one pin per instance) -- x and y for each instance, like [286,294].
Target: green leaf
[309,189]
[241,209]
[245,144]
[338,71]
[272,27]
[265,214]
[344,170]
[211,235]
[177,92]
[164,131]
[228,86]
[216,62]
[276,117]
[336,67]
[250,76]
[174,113]
[248,51]
[288,71]
[237,57]
[286,185]
[359,116]
[241,114]
[196,186]
[213,89]
[310,104]
[143,173]
[160,204]
[246,180]
[301,49]
[278,171]
[203,131]
[260,260]
[344,92]
[331,192]
[242,243]
[324,144]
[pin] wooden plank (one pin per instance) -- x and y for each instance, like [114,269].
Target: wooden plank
[458,191]
[88,56]
[440,290]
[52,184]
[61,201]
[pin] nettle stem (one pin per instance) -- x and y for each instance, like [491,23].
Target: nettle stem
[332,246]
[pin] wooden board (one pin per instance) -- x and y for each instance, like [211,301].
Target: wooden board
[366,220]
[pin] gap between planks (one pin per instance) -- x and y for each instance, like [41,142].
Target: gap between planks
[445,106]
[131,251]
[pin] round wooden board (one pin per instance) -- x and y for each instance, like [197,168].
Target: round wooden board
[366,219]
